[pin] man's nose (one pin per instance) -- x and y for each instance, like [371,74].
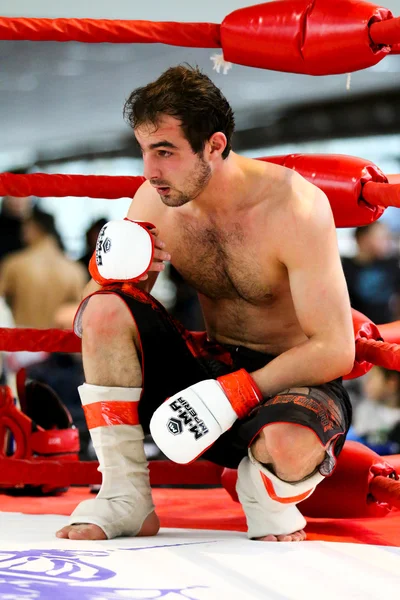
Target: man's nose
[151,169]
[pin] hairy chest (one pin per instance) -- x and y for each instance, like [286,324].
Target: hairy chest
[222,262]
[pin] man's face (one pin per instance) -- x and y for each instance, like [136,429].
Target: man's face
[374,384]
[173,169]
[17,207]
[378,241]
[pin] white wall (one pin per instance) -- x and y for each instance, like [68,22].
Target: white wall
[154,10]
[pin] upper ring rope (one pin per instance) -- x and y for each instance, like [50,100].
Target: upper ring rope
[45,185]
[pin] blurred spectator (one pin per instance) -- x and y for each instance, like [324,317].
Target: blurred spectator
[36,281]
[6,320]
[13,212]
[373,274]
[376,419]
[40,283]
[91,239]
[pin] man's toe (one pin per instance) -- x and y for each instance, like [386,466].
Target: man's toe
[63,533]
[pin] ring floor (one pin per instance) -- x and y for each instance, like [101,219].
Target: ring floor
[201,553]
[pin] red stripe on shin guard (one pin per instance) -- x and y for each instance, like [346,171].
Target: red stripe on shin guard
[103,414]
[269,486]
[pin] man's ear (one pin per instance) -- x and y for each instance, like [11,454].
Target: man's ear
[217,144]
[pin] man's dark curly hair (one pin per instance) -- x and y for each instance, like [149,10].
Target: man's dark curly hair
[183,92]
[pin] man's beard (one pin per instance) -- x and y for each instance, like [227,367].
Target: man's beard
[196,182]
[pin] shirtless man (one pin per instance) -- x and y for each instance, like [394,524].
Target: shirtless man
[258,243]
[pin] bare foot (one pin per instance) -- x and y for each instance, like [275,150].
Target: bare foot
[82,531]
[88,531]
[151,525]
[297,536]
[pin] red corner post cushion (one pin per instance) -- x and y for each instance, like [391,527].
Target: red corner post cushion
[300,36]
[41,429]
[345,494]
[342,179]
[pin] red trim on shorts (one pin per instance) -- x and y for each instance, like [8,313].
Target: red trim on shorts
[269,486]
[106,414]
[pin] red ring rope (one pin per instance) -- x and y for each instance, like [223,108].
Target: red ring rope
[93,31]
[38,340]
[111,187]
[386,490]
[378,353]
[60,340]
[16,472]
[58,186]
[386,32]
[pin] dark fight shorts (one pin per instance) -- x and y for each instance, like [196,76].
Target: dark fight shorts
[173,358]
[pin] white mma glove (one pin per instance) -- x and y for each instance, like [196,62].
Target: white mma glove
[191,421]
[124,252]
[270,503]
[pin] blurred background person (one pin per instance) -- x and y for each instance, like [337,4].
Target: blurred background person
[91,236]
[37,280]
[64,315]
[376,418]
[373,274]
[12,215]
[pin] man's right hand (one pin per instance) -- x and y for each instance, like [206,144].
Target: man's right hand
[159,256]
[189,422]
[126,251]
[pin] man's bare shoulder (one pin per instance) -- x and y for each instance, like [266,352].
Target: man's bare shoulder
[146,204]
[285,191]
[16,258]
[270,180]
[308,203]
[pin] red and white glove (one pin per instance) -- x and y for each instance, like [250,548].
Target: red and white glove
[124,252]
[189,422]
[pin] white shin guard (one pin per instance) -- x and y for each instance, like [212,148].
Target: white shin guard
[124,500]
[270,503]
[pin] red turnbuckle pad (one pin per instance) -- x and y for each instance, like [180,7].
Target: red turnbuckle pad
[16,423]
[41,430]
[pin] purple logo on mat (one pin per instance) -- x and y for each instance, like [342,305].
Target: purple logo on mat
[46,574]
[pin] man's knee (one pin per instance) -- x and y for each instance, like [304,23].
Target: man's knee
[292,451]
[106,316]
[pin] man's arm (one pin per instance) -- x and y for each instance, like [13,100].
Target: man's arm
[320,298]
